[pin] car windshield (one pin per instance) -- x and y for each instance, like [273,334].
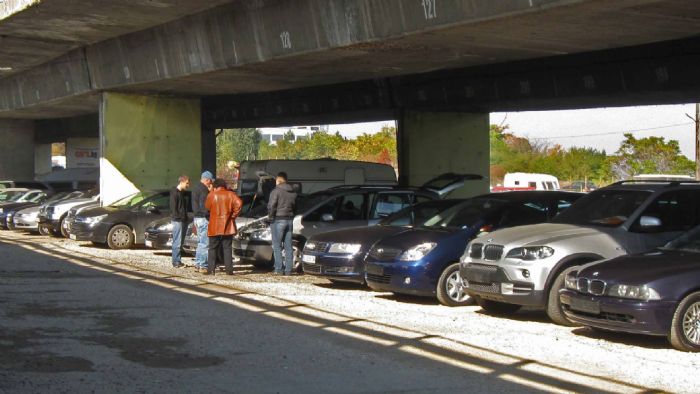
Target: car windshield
[305,203]
[688,242]
[417,214]
[12,195]
[132,200]
[58,197]
[607,208]
[465,214]
[35,197]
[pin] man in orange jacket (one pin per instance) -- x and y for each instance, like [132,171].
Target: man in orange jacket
[224,206]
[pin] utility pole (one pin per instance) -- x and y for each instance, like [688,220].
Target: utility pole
[696,119]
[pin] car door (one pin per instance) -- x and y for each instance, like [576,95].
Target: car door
[387,203]
[668,216]
[338,212]
[150,210]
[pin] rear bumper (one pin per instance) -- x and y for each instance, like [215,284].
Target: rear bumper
[618,314]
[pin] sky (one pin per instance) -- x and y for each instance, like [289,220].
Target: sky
[599,128]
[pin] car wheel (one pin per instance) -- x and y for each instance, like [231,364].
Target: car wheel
[685,327]
[298,266]
[554,308]
[120,237]
[43,230]
[63,229]
[450,289]
[495,307]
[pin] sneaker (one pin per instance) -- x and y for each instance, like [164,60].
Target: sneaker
[178,265]
[277,273]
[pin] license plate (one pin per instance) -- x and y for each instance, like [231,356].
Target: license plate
[149,244]
[374,270]
[73,237]
[586,306]
[307,258]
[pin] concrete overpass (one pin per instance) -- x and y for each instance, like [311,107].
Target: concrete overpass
[432,64]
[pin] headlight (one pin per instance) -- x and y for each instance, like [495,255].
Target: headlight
[2,210]
[530,253]
[417,252]
[345,248]
[310,246]
[570,281]
[261,235]
[165,227]
[93,220]
[645,293]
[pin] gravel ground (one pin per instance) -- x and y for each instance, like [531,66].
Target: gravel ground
[524,348]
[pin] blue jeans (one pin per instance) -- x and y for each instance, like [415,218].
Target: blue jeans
[200,257]
[282,232]
[177,242]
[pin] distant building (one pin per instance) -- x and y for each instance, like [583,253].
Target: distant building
[274,134]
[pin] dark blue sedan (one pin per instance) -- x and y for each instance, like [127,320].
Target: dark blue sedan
[340,255]
[424,260]
[654,293]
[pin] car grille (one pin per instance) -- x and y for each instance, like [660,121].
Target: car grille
[486,288]
[475,251]
[616,317]
[384,254]
[493,252]
[379,278]
[312,268]
[588,286]
[321,247]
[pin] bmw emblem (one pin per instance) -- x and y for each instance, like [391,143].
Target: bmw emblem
[595,273]
[380,250]
[489,240]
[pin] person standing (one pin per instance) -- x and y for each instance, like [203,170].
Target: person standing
[281,209]
[201,219]
[178,217]
[224,206]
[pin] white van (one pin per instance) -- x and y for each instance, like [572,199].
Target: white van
[528,181]
[309,176]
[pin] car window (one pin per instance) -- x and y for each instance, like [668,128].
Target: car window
[522,213]
[608,208]
[559,206]
[418,214]
[160,201]
[465,214]
[346,207]
[677,210]
[389,203]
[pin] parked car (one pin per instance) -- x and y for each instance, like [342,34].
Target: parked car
[27,219]
[340,255]
[159,234]
[122,224]
[69,221]
[339,208]
[9,193]
[653,293]
[424,260]
[9,208]
[52,216]
[524,265]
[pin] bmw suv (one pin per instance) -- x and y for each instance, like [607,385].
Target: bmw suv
[526,266]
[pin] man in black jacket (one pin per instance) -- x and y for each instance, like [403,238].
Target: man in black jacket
[200,191]
[281,209]
[178,216]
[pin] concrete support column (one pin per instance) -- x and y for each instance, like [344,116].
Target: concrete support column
[147,142]
[42,159]
[17,156]
[209,149]
[432,143]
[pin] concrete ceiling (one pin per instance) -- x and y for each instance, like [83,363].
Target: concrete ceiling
[570,27]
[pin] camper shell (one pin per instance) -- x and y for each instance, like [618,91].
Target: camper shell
[528,181]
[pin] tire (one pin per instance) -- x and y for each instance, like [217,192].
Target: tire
[62,231]
[495,307]
[450,290]
[43,230]
[120,237]
[685,326]
[554,309]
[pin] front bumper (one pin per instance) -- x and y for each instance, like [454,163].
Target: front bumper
[406,277]
[158,240]
[342,267]
[80,231]
[52,225]
[258,252]
[494,283]
[26,223]
[618,314]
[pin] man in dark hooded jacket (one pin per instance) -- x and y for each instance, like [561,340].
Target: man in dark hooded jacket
[281,209]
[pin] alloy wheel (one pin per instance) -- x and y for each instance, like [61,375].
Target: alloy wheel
[455,287]
[691,324]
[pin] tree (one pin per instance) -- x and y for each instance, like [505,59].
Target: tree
[649,155]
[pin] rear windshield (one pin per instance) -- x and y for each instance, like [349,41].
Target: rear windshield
[607,208]
[418,214]
[465,214]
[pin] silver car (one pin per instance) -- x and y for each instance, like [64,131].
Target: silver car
[525,266]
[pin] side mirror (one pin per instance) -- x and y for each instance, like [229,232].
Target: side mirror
[152,210]
[647,222]
[327,217]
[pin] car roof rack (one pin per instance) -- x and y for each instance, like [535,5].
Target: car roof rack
[669,182]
